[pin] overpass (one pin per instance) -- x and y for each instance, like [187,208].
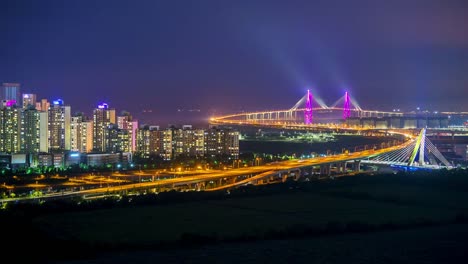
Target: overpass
[276,171]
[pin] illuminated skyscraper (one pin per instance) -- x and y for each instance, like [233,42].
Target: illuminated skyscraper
[125,121]
[59,132]
[43,131]
[118,140]
[144,147]
[152,141]
[133,140]
[30,131]
[221,141]
[11,91]
[189,142]
[103,116]
[43,105]
[9,129]
[81,134]
[172,142]
[29,101]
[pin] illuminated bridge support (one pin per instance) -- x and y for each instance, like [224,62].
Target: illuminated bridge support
[325,169]
[342,167]
[308,109]
[419,146]
[284,176]
[357,166]
[346,107]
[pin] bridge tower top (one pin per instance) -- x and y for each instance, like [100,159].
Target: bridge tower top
[422,148]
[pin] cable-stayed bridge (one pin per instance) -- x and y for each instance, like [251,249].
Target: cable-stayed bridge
[306,115]
[421,153]
[309,110]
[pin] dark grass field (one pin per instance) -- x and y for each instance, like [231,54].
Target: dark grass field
[440,244]
[241,216]
[361,219]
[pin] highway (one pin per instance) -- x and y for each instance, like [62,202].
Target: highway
[264,171]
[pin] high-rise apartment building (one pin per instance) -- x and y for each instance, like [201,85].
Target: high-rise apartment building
[231,143]
[144,147]
[10,129]
[125,121]
[30,131]
[133,136]
[174,142]
[152,141]
[43,131]
[103,116]
[188,142]
[221,141]
[29,101]
[59,119]
[81,131]
[11,92]
[118,140]
[43,105]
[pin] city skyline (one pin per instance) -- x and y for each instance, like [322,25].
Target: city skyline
[248,131]
[215,56]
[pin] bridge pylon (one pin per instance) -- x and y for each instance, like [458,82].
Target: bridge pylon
[346,107]
[424,148]
[308,109]
[421,153]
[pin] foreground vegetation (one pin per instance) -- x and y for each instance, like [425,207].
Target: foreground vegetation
[359,204]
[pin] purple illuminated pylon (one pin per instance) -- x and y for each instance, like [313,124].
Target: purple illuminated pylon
[308,109]
[346,108]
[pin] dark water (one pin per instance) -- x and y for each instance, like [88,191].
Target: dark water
[349,142]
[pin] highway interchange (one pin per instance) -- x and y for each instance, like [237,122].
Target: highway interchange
[253,173]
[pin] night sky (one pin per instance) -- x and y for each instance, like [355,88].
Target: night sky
[236,55]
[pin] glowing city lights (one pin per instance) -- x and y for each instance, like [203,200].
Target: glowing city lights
[10,103]
[103,106]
